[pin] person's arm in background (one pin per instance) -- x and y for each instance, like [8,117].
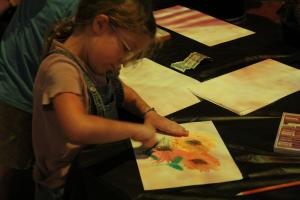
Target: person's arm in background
[31,22]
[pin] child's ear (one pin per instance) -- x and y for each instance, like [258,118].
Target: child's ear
[100,23]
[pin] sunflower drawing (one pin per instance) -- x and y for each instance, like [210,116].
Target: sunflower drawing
[191,152]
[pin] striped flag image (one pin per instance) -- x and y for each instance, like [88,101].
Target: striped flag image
[198,26]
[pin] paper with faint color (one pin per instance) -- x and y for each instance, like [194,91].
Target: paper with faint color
[252,87]
[162,88]
[200,158]
[199,26]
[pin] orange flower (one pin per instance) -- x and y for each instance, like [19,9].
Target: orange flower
[193,143]
[191,153]
[164,156]
[201,161]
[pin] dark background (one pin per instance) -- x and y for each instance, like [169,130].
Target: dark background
[250,142]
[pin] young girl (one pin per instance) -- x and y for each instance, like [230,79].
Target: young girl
[76,91]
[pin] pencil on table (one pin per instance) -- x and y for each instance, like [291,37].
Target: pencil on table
[269,188]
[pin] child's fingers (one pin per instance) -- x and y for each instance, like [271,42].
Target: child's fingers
[179,131]
[172,128]
[150,142]
[166,126]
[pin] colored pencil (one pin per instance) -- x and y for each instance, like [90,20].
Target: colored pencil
[269,188]
[148,151]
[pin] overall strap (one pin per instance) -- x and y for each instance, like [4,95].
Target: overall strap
[95,96]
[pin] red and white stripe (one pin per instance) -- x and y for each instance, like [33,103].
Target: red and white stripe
[181,17]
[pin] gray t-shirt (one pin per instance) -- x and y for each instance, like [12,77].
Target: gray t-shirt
[62,72]
[53,151]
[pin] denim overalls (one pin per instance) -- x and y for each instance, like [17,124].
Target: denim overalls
[104,100]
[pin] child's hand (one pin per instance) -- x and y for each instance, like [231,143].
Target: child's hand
[146,135]
[165,125]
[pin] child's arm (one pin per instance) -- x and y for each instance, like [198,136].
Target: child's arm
[82,128]
[135,104]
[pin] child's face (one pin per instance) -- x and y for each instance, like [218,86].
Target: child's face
[114,47]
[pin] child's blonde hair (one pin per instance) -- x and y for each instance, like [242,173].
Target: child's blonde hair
[133,15]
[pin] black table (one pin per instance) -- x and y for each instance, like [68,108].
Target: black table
[111,172]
